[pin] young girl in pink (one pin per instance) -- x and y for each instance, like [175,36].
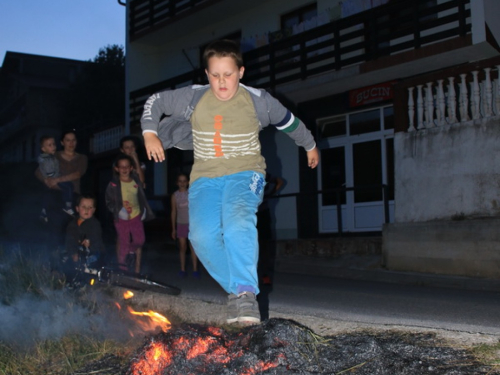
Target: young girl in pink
[180,224]
[127,202]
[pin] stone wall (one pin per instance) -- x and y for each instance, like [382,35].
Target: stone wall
[461,248]
[447,172]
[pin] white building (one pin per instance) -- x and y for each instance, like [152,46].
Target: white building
[382,85]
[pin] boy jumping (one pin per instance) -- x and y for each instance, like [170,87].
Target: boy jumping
[221,122]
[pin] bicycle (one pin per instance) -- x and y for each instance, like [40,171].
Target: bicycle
[87,272]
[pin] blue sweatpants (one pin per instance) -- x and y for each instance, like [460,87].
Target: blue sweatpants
[222,228]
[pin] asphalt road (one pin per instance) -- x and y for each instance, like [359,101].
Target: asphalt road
[349,300]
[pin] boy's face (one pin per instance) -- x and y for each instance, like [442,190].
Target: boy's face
[128,147]
[86,208]
[49,146]
[224,77]
[123,168]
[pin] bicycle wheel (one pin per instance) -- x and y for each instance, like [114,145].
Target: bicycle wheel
[141,283]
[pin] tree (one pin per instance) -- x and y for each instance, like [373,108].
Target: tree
[113,55]
[97,99]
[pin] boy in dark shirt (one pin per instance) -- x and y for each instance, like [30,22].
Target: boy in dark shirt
[85,231]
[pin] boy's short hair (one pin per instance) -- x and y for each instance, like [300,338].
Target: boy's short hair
[223,48]
[129,138]
[86,196]
[44,138]
[123,156]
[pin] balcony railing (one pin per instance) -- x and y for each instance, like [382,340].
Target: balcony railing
[148,15]
[389,29]
[106,140]
[472,96]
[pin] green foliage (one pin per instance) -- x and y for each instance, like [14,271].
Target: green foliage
[113,55]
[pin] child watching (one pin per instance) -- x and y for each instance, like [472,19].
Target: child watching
[85,231]
[179,218]
[128,145]
[221,123]
[49,167]
[127,202]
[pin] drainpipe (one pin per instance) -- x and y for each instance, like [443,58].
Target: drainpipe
[122,3]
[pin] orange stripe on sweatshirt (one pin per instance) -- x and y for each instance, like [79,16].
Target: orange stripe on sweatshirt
[217,137]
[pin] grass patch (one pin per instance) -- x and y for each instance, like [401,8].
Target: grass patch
[58,357]
[488,354]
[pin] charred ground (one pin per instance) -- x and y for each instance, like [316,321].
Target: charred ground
[281,346]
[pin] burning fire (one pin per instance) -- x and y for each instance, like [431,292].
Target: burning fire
[194,350]
[128,294]
[155,320]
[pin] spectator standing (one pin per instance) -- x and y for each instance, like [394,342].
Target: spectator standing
[128,145]
[72,166]
[264,228]
[127,202]
[180,224]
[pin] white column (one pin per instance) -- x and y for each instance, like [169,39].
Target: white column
[429,106]
[476,113]
[420,108]
[452,101]
[441,105]
[488,95]
[464,99]
[411,110]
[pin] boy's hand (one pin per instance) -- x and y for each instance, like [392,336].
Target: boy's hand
[86,243]
[154,148]
[313,158]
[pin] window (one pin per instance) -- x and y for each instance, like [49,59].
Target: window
[289,20]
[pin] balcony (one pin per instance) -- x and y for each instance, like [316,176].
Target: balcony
[149,15]
[398,33]
[465,95]
[106,140]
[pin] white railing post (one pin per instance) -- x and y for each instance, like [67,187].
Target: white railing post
[488,96]
[464,99]
[441,105]
[411,110]
[429,106]
[452,101]
[475,109]
[420,108]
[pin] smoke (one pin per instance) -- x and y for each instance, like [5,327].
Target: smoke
[31,319]
[32,311]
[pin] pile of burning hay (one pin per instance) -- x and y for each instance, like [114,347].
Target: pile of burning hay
[280,346]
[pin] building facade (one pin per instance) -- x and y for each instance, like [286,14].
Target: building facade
[396,93]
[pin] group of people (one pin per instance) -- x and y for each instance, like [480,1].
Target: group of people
[124,196]
[217,217]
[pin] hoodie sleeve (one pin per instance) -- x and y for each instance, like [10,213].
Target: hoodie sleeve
[165,103]
[285,121]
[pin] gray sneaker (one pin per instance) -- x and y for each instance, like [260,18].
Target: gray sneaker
[248,308]
[232,308]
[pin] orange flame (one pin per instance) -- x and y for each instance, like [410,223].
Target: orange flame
[128,294]
[157,358]
[155,320]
